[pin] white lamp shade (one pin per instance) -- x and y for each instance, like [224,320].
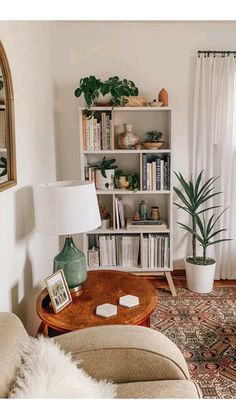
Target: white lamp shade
[66,208]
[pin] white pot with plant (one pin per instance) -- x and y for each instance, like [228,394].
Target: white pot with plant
[200,270]
[105,172]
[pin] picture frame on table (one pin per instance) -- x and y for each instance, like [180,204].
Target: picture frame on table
[58,291]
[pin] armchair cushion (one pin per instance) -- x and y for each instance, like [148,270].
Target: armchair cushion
[166,389]
[125,353]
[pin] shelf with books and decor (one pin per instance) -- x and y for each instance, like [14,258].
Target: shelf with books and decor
[135,176]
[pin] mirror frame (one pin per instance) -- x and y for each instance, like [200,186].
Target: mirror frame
[10,122]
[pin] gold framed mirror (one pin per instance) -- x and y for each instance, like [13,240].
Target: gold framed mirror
[7,127]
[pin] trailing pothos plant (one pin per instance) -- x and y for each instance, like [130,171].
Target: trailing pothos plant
[193,196]
[119,90]
[132,178]
[91,87]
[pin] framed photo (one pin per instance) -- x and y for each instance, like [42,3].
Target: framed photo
[58,290]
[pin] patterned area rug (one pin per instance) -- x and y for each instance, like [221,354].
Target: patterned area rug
[203,326]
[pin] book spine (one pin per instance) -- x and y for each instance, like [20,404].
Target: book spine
[87,130]
[154,188]
[168,172]
[99,136]
[112,144]
[162,175]
[108,133]
[95,142]
[144,172]
[103,131]
[84,132]
[158,173]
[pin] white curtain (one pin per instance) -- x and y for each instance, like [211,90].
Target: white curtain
[214,146]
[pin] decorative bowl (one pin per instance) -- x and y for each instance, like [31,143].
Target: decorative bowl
[153,146]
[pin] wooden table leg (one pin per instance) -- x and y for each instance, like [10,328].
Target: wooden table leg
[171,283]
[43,329]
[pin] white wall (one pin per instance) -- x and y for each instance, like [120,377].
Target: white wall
[153,55]
[25,256]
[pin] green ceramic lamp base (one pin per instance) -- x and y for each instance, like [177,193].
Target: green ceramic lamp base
[73,263]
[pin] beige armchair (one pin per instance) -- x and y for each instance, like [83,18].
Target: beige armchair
[144,363]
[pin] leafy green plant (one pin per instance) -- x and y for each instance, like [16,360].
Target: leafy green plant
[132,178]
[90,88]
[194,195]
[119,89]
[104,165]
[3,165]
[153,136]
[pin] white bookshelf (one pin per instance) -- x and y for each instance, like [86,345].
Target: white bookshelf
[143,119]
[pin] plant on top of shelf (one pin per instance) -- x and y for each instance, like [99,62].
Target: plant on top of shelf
[119,89]
[123,180]
[200,270]
[92,87]
[153,139]
[105,172]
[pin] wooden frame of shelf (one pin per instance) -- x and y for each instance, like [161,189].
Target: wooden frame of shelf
[86,155]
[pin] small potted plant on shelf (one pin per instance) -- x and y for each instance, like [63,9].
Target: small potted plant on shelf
[153,140]
[130,181]
[200,270]
[105,171]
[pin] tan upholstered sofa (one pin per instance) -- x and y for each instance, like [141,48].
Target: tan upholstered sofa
[144,363]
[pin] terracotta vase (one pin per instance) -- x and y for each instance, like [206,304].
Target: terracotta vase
[163,97]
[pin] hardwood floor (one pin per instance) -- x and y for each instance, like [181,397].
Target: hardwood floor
[179,280]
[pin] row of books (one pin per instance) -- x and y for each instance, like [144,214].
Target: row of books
[156,251]
[98,133]
[118,250]
[155,173]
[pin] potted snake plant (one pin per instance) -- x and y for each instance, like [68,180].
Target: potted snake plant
[200,270]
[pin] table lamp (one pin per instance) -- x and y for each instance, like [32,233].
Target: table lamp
[66,208]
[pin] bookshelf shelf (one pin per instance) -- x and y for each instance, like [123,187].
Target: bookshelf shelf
[143,151]
[127,231]
[129,192]
[113,241]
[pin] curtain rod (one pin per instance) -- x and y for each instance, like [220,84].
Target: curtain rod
[208,52]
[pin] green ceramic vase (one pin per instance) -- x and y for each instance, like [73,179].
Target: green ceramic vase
[73,263]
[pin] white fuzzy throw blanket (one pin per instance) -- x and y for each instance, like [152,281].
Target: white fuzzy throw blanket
[48,372]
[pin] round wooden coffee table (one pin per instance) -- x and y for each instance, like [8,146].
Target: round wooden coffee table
[101,287]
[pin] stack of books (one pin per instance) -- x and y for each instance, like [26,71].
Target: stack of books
[155,173]
[151,225]
[156,251]
[98,133]
[118,250]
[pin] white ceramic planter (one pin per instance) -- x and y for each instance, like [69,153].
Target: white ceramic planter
[200,278]
[102,100]
[102,181]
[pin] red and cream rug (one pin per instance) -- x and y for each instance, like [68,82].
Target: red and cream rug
[203,326]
